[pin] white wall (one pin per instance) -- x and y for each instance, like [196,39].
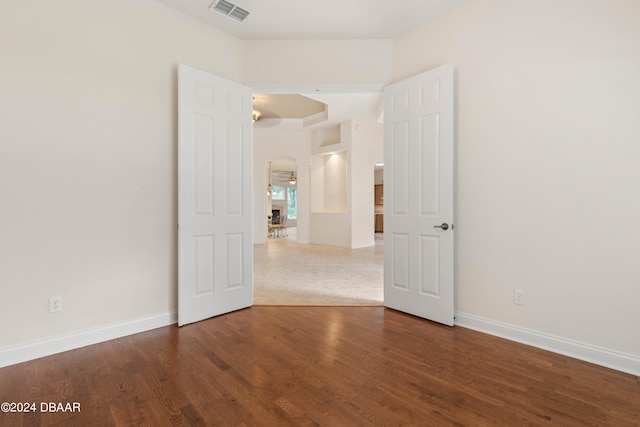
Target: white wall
[329,185]
[547,162]
[342,187]
[88,146]
[318,61]
[367,146]
[330,220]
[335,182]
[331,229]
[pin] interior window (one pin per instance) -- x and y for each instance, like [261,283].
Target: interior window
[277,192]
[292,203]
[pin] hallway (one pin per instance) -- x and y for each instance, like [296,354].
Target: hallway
[286,273]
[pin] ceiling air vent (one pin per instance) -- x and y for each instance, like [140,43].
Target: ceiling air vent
[229,9]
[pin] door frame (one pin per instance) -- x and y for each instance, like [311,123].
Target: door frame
[292,88]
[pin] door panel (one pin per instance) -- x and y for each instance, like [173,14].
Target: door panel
[214,174]
[419,169]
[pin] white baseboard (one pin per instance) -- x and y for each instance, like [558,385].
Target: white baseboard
[23,353]
[589,353]
[593,354]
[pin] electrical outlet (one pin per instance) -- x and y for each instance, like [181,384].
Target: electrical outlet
[55,304]
[518,297]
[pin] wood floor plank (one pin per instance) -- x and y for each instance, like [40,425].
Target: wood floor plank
[319,366]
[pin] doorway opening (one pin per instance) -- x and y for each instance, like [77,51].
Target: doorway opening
[418,277]
[297,266]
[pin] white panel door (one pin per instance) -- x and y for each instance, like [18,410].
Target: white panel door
[418,202]
[215,194]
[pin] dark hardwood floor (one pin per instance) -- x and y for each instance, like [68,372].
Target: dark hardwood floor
[319,366]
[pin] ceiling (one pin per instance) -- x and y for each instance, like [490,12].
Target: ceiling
[315,111]
[315,19]
[291,106]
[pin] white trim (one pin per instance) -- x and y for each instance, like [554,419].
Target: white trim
[589,353]
[47,347]
[314,119]
[276,88]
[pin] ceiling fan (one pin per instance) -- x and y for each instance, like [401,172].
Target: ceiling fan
[263,116]
[285,176]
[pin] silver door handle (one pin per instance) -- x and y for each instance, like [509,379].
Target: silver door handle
[444,226]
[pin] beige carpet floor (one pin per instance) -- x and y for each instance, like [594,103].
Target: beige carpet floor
[286,273]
